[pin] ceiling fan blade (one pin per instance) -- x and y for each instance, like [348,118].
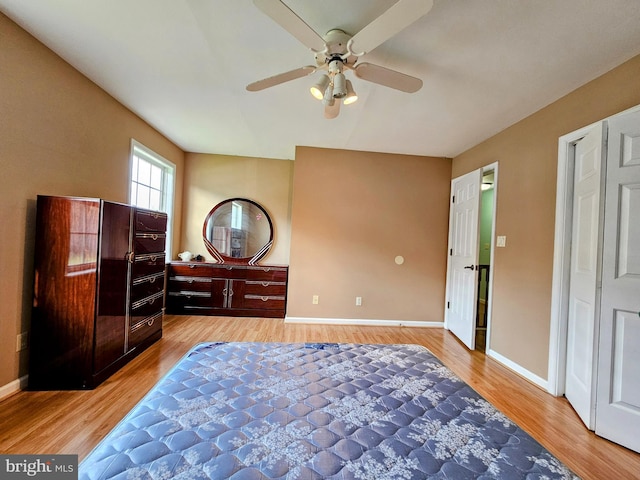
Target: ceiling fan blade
[291,22]
[332,111]
[397,18]
[388,78]
[281,78]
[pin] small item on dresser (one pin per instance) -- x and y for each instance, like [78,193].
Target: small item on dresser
[186,256]
[199,258]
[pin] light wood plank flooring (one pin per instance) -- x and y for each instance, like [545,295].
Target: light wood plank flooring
[75,421]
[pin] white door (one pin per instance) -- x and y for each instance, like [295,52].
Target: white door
[463,257]
[583,289]
[618,386]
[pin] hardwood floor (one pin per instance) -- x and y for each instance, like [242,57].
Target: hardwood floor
[75,421]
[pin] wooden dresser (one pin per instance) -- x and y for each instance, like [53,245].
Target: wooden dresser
[98,291]
[200,288]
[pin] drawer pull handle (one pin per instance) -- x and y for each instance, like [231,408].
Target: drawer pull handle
[154,236]
[190,280]
[191,265]
[264,299]
[151,300]
[150,322]
[153,258]
[152,279]
[155,215]
[265,284]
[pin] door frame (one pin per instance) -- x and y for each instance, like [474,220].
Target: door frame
[562,255]
[484,169]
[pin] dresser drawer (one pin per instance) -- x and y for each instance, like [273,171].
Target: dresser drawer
[190,270]
[183,283]
[262,288]
[149,243]
[273,274]
[147,285]
[264,302]
[188,299]
[150,221]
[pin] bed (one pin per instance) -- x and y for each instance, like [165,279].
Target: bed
[235,410]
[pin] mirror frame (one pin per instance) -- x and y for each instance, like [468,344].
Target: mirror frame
[222,258]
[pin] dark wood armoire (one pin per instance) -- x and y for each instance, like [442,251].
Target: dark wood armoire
[98,289]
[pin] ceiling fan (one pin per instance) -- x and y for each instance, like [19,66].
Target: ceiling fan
[337,51]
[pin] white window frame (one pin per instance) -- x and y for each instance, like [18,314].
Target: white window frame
[168,183]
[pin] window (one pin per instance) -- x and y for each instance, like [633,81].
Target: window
[152,180]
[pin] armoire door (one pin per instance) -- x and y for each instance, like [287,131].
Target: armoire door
[111,318]
[618,386]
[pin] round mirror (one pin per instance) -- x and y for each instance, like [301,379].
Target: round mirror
[238,230]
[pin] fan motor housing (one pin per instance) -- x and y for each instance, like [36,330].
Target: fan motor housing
[336,41]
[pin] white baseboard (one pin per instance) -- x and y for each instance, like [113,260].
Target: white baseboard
[523,372]
[13,387]
[364,322]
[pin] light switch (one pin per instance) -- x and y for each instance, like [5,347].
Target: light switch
[501,241]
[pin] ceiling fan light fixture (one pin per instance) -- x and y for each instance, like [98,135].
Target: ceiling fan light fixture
[351,96]
[339,86]
[320,87]
[328,95]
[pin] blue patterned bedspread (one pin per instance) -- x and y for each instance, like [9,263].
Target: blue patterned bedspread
[316,411]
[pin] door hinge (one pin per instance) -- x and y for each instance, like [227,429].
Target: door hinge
[448,305]
[450,251]
[453,199]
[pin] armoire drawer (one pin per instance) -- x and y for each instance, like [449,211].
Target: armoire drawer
[149,221]
[144,328]
[149,243]
[148,264]
[147,285]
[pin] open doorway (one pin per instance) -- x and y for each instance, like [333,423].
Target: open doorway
[487,202]
[469,272]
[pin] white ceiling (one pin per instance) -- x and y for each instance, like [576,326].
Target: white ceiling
[182,65]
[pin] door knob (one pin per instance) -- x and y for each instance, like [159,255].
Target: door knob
[470,267]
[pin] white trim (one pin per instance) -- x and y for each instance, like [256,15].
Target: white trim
[494,167]
[363,321]
[561,261]
[169,187]
[13,387]
[523,372]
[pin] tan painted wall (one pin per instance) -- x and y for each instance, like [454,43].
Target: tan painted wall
[214,178]
[59,135]
[527,153]
[352,214]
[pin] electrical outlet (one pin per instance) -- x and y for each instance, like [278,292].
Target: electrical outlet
[315,300]
[358,301]
[22,341]
[501,241]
